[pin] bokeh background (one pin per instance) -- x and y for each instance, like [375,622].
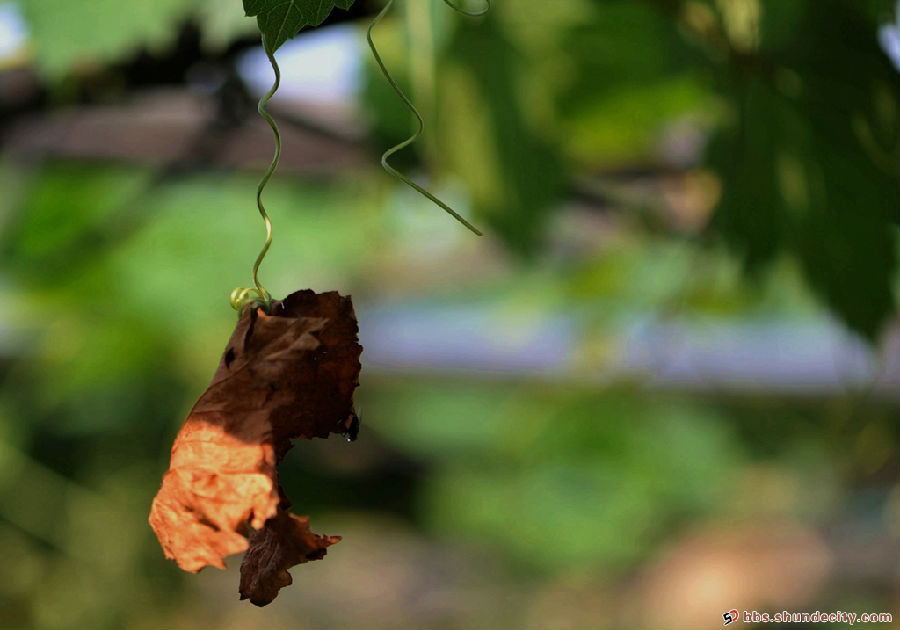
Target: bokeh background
[664,384]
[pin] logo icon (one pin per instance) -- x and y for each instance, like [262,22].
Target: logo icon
[730,616]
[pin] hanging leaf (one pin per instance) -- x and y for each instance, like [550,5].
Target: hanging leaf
[808,162]
[287,375]
[284,542]
[280,20]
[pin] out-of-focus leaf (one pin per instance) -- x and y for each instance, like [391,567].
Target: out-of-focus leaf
[630,75]
[69,33]
[623,125]
[66,34]
[809,163]
[514,172]
[478,122]
[221,23]
[280,20]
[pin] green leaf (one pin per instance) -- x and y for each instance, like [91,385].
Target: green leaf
[809,164]
[66,34]
[280,20]
[512,168]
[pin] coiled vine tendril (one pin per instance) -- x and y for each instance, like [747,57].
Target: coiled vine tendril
[487,6]
[420,122]
[257,296]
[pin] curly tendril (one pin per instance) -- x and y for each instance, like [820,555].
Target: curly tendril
[487,6]
[257,296]
[420,122]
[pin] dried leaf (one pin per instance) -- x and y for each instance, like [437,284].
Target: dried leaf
[287,375]
[284,542]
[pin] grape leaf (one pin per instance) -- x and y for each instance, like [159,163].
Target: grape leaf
[283,376]
[280,20]
[811,171]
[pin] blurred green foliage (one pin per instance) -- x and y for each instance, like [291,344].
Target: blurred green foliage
[561,462]
[805,143]
[809,159]
[83,35]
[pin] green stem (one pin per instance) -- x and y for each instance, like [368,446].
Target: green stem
[486,8]
[242,296]
[420,123]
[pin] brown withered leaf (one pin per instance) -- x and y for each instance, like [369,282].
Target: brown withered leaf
[284,542]
[287,375]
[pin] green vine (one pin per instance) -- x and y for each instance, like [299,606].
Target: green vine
[257,296]
[420,122]
[487,6]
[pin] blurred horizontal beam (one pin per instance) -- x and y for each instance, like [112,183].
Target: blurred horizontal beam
[808,357]
[164,127]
